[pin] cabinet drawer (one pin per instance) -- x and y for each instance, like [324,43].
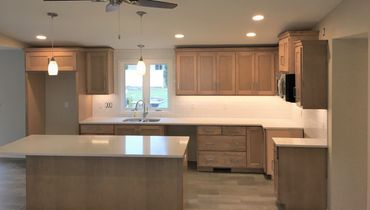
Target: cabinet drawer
[126,130]
[148,130]
[209,130]
[222,143]
[234,131]
[222,159]
[96,129]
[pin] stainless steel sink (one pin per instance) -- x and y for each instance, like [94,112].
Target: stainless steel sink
[138,120]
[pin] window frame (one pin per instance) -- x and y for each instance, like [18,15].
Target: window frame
[146,83]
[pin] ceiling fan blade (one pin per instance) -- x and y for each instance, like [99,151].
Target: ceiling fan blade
[151,3]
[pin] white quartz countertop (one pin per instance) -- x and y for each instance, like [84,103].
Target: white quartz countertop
[301,142]
[266,123]
[97,146]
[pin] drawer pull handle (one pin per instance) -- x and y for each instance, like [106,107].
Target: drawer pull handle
[210,159]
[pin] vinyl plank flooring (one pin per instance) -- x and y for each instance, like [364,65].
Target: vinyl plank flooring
[202,190]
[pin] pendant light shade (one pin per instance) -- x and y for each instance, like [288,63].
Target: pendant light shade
[141,67]
[53,65]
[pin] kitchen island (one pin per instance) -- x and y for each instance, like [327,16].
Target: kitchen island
[102,172]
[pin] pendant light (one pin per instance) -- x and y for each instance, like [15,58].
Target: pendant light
[141,67]
[53,65]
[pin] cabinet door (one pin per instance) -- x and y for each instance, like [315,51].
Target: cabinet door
[283,133]
[207,73]
[298,73]
[37,61]
[226,73]
[186,73]
[126,130]
[66,61]
[99,72]
[255,148]
[148,130]
[245,73]
[284,55]
[265,73]
[96,129]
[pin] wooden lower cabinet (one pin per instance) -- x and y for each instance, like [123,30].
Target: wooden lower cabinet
[301,178]
[283,133]
[97,129]
[234,147]
[255,148]
[144,130]
[222,159]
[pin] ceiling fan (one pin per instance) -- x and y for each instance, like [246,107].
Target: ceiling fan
[114,4]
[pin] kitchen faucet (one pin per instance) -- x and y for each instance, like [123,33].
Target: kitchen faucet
[145,111]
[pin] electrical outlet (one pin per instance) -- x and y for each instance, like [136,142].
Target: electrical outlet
[108,105]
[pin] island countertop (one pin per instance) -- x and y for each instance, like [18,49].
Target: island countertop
[266,123]
[97,146]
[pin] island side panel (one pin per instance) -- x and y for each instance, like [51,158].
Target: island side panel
[79,183]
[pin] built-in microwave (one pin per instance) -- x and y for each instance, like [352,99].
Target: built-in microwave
[286,87]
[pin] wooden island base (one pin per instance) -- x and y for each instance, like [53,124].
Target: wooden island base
[111,183]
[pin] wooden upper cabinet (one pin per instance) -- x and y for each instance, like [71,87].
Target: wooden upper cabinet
[226,73]
[99,71]
[265,73]
[37,59]
[245,73]
[256,72]
[286,48]
[312,74]
[255,148]
[207,79]
[186,73]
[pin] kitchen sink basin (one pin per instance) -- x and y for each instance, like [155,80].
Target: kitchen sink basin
[138,120]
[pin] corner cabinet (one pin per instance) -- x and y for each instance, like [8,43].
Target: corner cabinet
[225,71]
[99,71]
[311,70]
[286,48]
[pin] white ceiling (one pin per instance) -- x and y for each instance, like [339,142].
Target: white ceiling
[204,22]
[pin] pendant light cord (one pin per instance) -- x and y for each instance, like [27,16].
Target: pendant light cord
[141,35]
[52,36]
[119,23]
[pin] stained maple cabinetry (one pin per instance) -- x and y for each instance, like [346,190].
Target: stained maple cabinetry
[37,59]
[255,72]
[287,45]
[311,70]
[226,71]
[236,147]
[99,71]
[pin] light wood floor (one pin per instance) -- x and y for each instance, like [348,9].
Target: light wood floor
[203,191]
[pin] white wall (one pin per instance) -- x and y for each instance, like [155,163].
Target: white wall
[12,95]
[350,18]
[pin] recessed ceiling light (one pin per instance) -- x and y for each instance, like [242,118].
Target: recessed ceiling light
[41,37]
[179,36]
[251,34]
[258,17]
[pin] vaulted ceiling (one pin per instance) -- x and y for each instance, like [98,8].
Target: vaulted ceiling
[204,22]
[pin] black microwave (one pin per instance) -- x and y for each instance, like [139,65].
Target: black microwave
[286,87]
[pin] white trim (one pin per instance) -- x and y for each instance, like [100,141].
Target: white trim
[146,83]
